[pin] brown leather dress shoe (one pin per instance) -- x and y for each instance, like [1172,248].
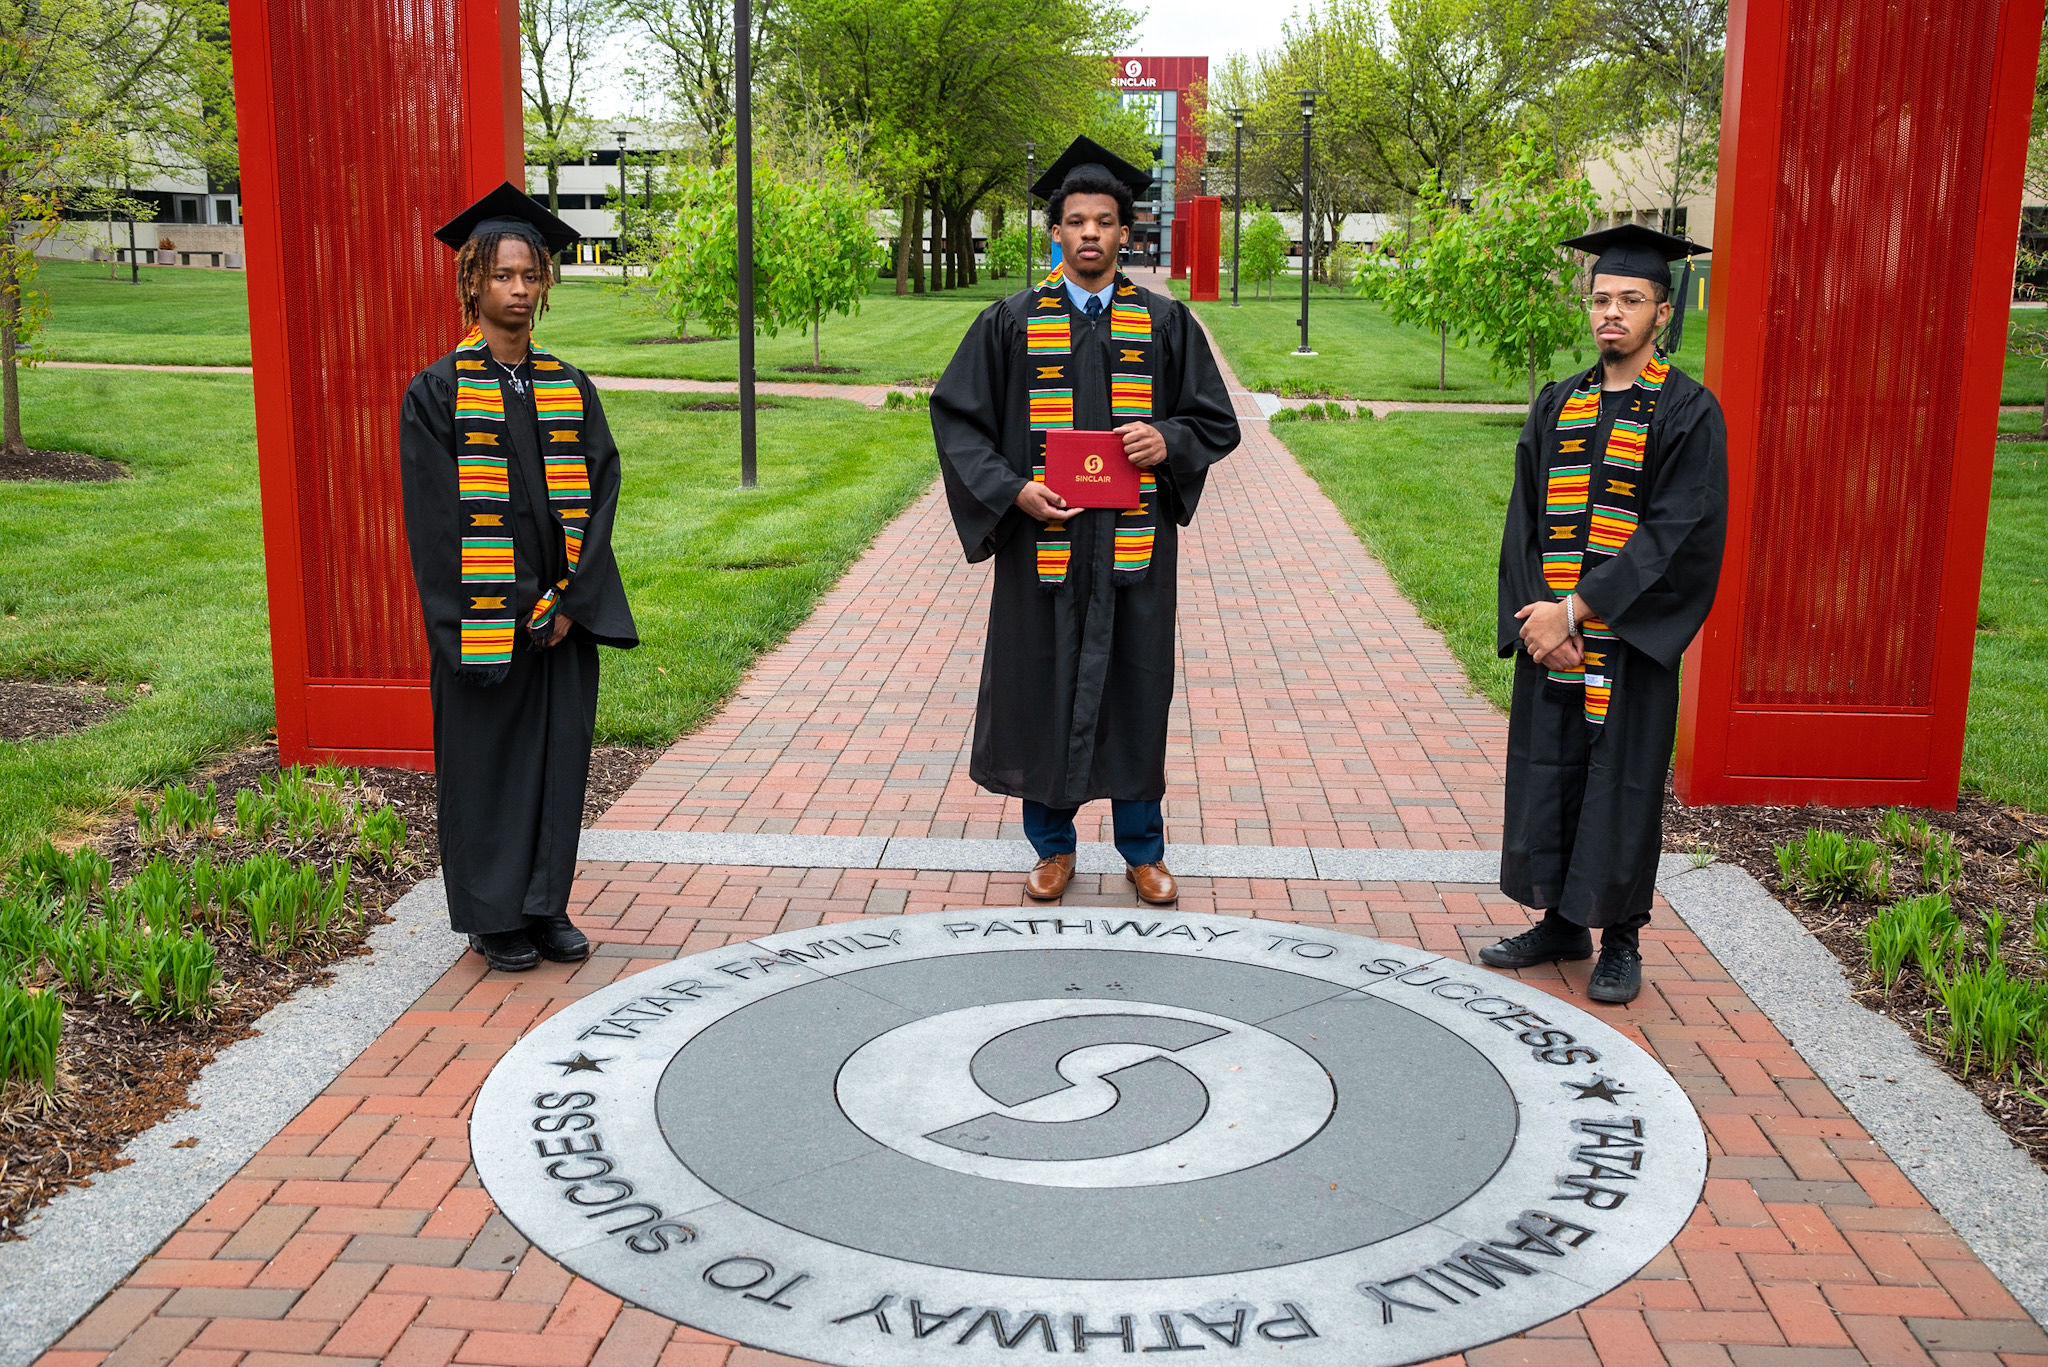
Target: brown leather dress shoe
[1154,884]
[1049,877]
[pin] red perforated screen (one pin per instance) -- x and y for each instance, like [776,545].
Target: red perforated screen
[370,162]
[1885,112]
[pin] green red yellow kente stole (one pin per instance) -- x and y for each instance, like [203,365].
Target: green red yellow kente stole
[1590,509]
[483,472]
[1049,352]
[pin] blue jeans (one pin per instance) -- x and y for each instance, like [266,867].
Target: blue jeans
[1140,829]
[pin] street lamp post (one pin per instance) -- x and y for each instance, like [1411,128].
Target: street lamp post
[1236,195]
[620,134]
[1308,113]
[743,158]
[1030,178]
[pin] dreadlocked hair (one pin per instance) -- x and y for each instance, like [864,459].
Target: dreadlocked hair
[473,272]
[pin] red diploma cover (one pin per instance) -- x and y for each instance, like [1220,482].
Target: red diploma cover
[1090,470]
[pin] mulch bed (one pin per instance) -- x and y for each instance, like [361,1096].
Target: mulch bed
[30,711]
[674,341]
[723,406]
[819,369]
[121,1074]
[70,467]
[1987,836]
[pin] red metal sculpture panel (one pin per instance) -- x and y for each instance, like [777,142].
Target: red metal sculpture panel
[1205,244]
[1865,221]
[363,127]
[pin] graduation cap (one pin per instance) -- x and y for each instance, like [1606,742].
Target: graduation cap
[508,209]
[1633,250]
[1085,154]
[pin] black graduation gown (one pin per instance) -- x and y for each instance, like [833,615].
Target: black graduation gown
[511,759]
[1075,685]
[1584,813]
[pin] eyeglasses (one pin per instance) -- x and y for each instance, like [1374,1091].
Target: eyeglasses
[1630,303]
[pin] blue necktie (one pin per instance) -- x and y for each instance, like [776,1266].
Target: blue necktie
[1094,306]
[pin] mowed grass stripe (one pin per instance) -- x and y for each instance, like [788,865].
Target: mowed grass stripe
[159,578]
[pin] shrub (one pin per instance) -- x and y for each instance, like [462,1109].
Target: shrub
[1829,867]
[1287,415]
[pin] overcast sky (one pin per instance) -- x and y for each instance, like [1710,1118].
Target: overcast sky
[1172,28]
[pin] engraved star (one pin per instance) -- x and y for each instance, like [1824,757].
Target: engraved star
[1601,1086]
[582,1063]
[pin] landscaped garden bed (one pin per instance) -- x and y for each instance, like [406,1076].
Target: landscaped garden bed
[128,962]
[1940,919]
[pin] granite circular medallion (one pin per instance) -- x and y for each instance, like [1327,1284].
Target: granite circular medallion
[983,1136]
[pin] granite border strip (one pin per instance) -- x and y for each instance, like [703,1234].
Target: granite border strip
[1935,1130]
[87,1240]
[926,854]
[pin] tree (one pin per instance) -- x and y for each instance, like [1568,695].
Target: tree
[1419,284]
[90,89]
[1666,85]
[1516,284]
[1263,254]
[697,275]
[827,254]
[556,39]
[690,44]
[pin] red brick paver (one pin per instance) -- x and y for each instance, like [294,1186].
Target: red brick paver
[361,1234]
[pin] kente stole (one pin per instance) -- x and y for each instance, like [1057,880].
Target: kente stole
[483,473]
[1590,510]
[1049,352]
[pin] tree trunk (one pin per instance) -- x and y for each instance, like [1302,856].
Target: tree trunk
[555,208]
[916,243]
[967,232]
[949,246]
[1443,354]
[816,355]
[1532,377]
[11,441]
[903,241]
[938,241]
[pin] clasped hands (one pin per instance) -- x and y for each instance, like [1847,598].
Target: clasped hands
[1144,447]
[1546,634]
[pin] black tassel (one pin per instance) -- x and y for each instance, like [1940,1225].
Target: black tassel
[1674,332]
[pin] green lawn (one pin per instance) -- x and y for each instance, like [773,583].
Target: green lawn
[185,316]
[158,579]
[1427,492]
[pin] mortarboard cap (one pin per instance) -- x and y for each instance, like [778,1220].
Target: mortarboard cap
[508,209]
[1632,249]
[1085,154]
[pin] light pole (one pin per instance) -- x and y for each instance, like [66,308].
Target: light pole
[1030,178]
[620,134]
[1236,195]
[1308,113]
[743,167]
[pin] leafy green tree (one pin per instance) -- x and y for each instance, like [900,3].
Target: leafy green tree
[1665,84]
[1006,254]
[1516,285]
[827,255]
[1263,254]
[557,39]
[1419,282]
[90,92]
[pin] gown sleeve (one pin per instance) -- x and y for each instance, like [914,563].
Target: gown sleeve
[1657,589]
[1202,429]
[596,598]
[1521,557]
[433,510]
[969,406]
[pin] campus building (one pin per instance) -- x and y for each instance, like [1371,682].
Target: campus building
[1168,90]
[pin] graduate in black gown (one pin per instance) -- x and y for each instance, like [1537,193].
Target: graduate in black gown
[1608,566]
[511,487]
[1078,673]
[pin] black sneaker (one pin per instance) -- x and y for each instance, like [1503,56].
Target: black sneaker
[1547,942]
[507,951]
[1618,977]
[558,940]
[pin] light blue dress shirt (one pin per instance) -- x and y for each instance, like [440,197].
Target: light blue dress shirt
[1081,296]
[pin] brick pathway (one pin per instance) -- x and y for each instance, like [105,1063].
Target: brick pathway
[360,1234]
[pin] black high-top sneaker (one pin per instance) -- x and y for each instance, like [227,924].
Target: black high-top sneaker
[1549,941]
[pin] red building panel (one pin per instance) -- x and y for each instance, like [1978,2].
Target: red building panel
[1204,218]
[363,127]
[1866,217]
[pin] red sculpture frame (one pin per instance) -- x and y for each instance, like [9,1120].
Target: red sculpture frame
[1835,667]
[363,126]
